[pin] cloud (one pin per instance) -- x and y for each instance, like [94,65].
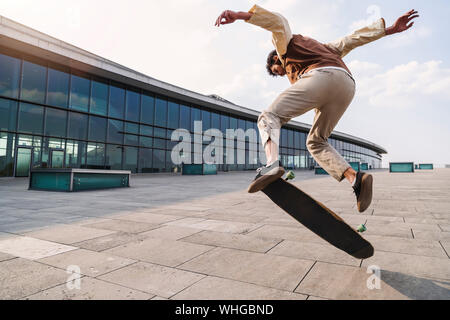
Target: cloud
[408,85]
[374,13]
[413,35]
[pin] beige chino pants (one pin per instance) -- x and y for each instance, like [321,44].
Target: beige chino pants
[329,92]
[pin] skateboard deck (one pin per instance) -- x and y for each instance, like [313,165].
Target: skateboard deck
[318,218]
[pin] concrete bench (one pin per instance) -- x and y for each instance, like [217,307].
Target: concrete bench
[319,170]
[77,179]
[198,169]
[401,167]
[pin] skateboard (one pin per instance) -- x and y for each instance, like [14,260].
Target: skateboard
[318,218]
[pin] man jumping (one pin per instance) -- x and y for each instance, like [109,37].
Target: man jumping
[319,80]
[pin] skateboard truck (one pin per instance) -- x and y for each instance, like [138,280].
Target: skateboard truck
[361,228]
[290,175]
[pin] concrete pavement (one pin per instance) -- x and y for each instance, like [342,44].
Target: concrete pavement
[204,237]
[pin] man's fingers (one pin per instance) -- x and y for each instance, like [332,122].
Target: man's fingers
[410,18]
[409,25]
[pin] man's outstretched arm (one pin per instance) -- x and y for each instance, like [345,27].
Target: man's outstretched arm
[271,21]
[373,32]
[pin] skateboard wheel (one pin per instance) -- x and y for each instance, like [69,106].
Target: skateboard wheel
[361,228]
[290,175]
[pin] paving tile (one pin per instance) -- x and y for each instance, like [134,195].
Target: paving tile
[109,241]
[6,256]
[148,217]
[170,232]
[446,246]
[180,212]
[21,277]
[444,227]
[431,235]
[341,282]
[161,251]
[419,247]
[230,240]
[392,231]
[123,225]
[153,279]
[426,220]
[237,218]
[287,233]
[256,268]
[32,248]
[313,251]
[67,234]
[402,225]
[225,226]
[185,222]
[90,289]
[430,267]
[90,263]
[213,288]
[315,298]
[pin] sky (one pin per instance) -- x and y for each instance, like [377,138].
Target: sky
[402,99]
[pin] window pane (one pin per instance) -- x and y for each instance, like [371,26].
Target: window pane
[146,130]
[75,154]
[95,156]
[34,81]
[196,115]
[115,131]
[58,88]
[31,118]
[6,154]
[55,122]
[114,157]
[99,98]
[233,123]
[97,129]
[131,159]
[159,132]
[174,115]
[148,109]
[79,93]
[224,123]
[159,163]
[116,102]
[185,117]
[131,139]
[215,121]
[78,124]
[145,160]
[206,120]
[8,115]
[160,112]
[290,138]
[133,103]
[159,143]
[146,142]
[9,76]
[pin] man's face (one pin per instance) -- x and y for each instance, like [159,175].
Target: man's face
[277,68]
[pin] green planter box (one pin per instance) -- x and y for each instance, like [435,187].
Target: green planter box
[364,166]
[401,167]
[320,170]
[425,166]
[198,169]
[356,165]
[77,179]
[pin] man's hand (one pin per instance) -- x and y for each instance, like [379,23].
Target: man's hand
[231,16]
[403,23]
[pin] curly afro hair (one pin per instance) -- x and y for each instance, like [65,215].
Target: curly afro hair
[271,62]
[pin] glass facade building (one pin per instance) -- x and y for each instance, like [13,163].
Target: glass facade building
[55,115]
